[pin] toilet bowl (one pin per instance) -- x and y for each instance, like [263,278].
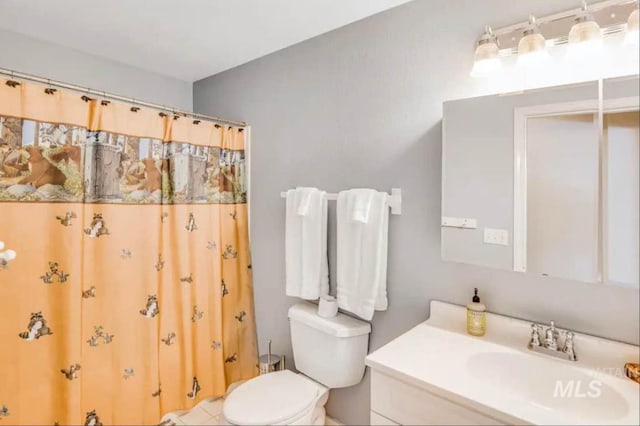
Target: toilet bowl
[328,352]
[279,398]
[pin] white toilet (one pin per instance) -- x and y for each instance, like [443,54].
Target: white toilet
[328,352]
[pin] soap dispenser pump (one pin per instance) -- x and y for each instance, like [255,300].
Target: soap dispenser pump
[476,316]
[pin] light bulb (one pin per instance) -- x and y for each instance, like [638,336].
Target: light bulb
[633,29]
[532,47]
[585,33]
[585,40]
[486,58]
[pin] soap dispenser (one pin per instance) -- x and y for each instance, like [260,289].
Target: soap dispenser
[476,316]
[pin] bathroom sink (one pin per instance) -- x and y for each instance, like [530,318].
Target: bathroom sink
[497,376]
[549,384]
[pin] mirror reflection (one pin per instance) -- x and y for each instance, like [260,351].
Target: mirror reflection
[575,182]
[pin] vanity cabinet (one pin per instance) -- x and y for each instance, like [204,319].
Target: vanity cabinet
[394,402]
[437,374]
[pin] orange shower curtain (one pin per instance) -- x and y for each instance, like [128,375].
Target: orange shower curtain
[131,293]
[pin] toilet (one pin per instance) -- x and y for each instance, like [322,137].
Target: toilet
[329,353]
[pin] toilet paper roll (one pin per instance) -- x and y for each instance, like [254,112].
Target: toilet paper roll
[327,307]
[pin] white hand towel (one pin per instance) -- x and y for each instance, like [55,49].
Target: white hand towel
[304,203]
[362,253]
[361,199]
[307,269]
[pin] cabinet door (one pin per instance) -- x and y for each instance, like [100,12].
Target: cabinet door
[409,405]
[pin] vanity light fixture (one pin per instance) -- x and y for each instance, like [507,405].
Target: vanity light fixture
[582,30]
[632,37]
[532,47]
[486,58]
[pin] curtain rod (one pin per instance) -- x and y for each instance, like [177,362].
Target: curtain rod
[87,90]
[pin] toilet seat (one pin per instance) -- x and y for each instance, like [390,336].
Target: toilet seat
[275,398]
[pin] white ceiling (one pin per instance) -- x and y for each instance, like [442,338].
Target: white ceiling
[186,39]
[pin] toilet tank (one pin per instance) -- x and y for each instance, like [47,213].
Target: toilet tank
[329,350]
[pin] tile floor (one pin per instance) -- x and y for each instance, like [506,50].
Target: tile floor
[207,412]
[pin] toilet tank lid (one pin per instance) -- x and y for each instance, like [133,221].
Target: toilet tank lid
[340,326]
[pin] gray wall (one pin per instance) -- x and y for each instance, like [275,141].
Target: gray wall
[32,56]
[361,107]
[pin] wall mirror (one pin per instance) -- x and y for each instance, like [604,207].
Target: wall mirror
[545,182]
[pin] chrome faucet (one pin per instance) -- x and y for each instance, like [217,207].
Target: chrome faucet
[550,344]
[551,337]
[568,346]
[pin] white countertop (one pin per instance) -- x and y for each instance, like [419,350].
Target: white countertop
[498,376]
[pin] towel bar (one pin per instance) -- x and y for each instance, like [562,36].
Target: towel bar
[395,199]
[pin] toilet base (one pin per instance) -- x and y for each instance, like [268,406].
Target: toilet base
[317,418]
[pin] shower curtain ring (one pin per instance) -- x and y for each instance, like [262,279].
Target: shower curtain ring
[49,90]
[104,101]
[12,83]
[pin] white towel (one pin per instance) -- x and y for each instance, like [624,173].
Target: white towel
[361,204]
[362,252]
[304,203]
[307,269]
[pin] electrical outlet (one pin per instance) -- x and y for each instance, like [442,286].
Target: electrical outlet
[496,236]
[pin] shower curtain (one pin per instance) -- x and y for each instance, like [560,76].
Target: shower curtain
[131,293]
